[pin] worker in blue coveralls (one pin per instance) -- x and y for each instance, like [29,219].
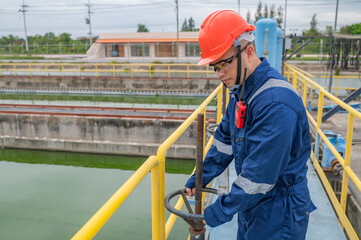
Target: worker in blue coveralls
[265,130]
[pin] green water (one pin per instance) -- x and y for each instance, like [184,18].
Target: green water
[108,98]
[50,195]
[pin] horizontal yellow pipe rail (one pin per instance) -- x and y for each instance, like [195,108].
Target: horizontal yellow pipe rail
[91,228]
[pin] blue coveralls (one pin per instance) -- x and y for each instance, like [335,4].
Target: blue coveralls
[270,193]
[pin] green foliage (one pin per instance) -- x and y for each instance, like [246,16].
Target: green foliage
[355,29]
[313,27]
[279,18]
[265,11]
[345,29]
[258,14]
[248,18]
[142,28]
[189,25]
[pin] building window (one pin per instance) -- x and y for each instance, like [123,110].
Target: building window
[114,50]
[165,49]
[192,50]
[140,50]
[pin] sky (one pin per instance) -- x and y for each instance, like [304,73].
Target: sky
[121,16]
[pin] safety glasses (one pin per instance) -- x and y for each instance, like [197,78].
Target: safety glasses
[224,64]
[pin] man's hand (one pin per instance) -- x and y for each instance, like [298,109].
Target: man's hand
[190,192]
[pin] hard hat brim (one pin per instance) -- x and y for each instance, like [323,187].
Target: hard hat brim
[204,61]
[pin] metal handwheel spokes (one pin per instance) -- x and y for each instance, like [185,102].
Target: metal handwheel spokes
[194,220]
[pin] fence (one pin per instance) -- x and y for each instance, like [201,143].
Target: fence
[35,48]
[108,70]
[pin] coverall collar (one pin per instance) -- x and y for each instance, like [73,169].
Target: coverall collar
[254,81]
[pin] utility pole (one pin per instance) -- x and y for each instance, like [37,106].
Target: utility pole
[239,7]
[333,51]
[176,8]
[23,10]
[89,22]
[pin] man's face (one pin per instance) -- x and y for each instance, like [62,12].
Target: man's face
[227,71]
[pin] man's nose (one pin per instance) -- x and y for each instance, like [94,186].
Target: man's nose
[220,73]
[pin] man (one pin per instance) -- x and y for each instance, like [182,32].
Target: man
[265,130]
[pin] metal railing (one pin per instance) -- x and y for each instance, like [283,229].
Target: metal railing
[155,164]
[169,70]
[303,82]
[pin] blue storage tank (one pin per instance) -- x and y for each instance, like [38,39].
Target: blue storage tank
[279,49]
[266,39]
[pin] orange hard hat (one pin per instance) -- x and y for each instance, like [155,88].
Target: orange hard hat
[218,31]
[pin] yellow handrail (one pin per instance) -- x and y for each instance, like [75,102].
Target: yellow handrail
[109,69]
[155,164]
[91,228]
[340,207]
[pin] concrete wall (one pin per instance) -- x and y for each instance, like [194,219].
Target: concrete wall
[109,83]
[91,134]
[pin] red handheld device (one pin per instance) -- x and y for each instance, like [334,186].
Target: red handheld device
[240,114]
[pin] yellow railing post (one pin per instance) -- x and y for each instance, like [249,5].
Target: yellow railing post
[288,74]
[168,70]
[187,70]
[319,120]
[347,161]
[113,70]
[305,92]
[337,77]
[14,70]
[79,69]
[31,73]
[161,157]
[131,70]
[294,80]
[150,71]
[62,69]
[219,104]
[155,178]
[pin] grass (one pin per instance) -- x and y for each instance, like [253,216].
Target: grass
[16,57]
[180,166]
[108,98]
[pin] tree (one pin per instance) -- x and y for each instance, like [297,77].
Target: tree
[272,11]
[328,30]
[345,29]
[248,17]
[265,11]
[313,27]
[189,26]
[185,26]
[142,28]
[65,38]
[279,18]
[258,13]
[355,29]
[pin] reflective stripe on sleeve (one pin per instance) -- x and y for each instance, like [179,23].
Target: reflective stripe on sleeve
[222,147]
[253,188]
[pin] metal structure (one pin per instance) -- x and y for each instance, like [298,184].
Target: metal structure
[347,53]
